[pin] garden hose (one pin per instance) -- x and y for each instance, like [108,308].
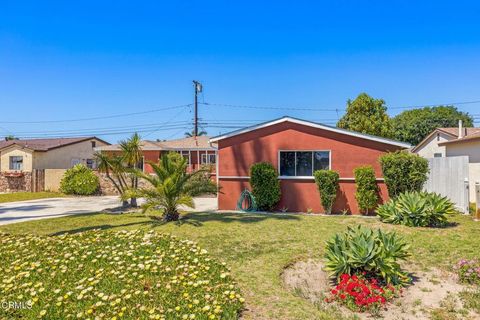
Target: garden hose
[246,202]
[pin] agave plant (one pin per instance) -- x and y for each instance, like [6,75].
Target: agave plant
[362,249]
[417,209]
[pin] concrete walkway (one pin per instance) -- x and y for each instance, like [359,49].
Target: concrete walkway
[13,212]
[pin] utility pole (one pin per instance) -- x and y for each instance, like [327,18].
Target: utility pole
[198,88]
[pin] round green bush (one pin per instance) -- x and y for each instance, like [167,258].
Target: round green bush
[403,172]
[79,180]
[265,185]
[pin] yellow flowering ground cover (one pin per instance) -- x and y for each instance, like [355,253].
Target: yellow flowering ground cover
[113,275]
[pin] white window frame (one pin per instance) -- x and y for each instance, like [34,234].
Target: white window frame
[207,159]
[10,163]
[302,177]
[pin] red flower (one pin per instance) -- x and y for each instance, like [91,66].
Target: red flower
[334,291]
[342,296]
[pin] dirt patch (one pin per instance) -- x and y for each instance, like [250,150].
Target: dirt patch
[431,290]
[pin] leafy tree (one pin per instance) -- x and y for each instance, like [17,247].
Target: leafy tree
[171,186]
[367,115]
[413,126]
[10,137]
[132,155]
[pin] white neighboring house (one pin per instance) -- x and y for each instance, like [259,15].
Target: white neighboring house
[454,142]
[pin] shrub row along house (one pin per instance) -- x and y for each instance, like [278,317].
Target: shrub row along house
[20,158]
[297,148]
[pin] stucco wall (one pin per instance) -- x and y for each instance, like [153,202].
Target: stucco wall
[430,147]
[472,150]
[53,178]
[61,158]
[16,151]
[238,153]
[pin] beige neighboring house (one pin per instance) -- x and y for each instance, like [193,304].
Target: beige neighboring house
[58,153]
[454,142]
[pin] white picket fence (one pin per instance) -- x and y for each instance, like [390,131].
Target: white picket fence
[449,177]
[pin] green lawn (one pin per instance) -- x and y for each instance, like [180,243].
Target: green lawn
[23,196]
[258,247]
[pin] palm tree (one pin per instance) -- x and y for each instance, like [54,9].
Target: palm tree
[191,134]
[114,170]
[132,155]
[172,187]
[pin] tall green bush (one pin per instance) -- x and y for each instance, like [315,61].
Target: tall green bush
[327,184]
[367,189]
[361,249]
[403,172]
[265,185]
[79,180]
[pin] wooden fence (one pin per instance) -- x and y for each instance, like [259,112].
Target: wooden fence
[449,177]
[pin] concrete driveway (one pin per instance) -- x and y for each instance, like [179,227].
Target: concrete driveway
[13,212]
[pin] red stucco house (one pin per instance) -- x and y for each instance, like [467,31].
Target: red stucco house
[197,150]
[297,148]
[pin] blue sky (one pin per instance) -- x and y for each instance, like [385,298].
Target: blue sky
[75,60]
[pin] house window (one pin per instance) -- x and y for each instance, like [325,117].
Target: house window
[437,155]
[75,161]
[90,163]
[94,144]
[303,163]
[186,155]
[209,158]
[16,163]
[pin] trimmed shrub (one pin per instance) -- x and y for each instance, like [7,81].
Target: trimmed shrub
[403,172]
[367,189]
[327,184]
[417,209]
[372,252]
[265,185]
[79,180]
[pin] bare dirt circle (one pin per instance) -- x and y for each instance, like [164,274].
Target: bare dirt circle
[431,290]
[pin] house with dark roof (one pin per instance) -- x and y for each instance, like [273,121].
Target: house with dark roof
[20,156]
[197,150]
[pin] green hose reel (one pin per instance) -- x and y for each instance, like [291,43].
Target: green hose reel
[246,202]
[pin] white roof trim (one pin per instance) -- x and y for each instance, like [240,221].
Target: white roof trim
[313,125]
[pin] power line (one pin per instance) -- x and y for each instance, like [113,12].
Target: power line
[330,109]
[102,117]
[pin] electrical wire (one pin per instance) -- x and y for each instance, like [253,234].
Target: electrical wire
[102,117]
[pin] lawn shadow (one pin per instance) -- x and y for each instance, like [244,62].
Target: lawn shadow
[197,219]
[101,226]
